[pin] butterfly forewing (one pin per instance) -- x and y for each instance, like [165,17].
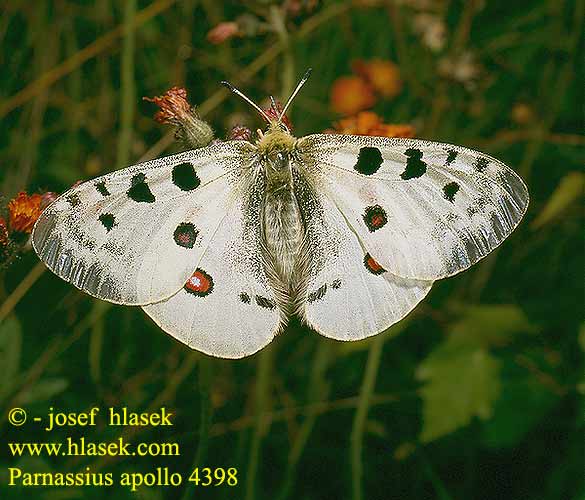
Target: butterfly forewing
[423,210]
[135,236]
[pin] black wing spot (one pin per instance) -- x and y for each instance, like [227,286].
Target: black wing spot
[184,177]
[139,190]
[73,200]
[245,298]
[185,235]
[415,167]
[336,284]
[102,189]
[369,161]
[451,156]
[450,190]
[375,218]
[264,302]
[108,221]
[317,294]
[481,164]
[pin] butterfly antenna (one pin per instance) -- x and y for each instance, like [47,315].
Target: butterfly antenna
[296,91]
[247,99]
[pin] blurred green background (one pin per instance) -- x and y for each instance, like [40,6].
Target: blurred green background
[476,395]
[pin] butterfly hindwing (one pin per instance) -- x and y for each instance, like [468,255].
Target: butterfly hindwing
[349,295]
[227,307]
[424,210]
[135,236]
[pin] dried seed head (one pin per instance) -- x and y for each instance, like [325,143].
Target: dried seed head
[174,106]
[175,110]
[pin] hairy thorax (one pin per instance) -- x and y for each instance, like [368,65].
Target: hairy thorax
[282,226]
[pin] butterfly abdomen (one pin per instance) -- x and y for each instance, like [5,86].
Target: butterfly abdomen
[283,235]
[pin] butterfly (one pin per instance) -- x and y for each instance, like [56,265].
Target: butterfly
[222,245]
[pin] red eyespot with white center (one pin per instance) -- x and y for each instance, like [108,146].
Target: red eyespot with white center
[199,284]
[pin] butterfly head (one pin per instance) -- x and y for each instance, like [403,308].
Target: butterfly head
[277,138]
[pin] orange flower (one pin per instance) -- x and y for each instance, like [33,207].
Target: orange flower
[174,106]
[351,94]
[522,113]
[383,76]
[24,210]
[369,123]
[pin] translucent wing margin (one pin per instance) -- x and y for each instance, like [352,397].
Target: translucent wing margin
[135,236]
[423,210]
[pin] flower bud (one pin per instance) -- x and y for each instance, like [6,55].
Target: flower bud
[240,133]
[175,110]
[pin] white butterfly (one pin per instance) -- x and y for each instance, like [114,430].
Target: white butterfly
[222,245]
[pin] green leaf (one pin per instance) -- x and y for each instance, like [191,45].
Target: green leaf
[491,324]
[462,381]
[523,403]
[461,378]
[10,349]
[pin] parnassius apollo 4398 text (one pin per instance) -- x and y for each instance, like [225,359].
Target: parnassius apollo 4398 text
[221,245]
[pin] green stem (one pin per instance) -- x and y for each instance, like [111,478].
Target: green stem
[128,90]
[261,395]
[205,376]
[357,432]
[278,21]
[318,390]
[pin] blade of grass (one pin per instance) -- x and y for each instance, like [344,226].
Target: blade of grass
[262,393]
[128,91]
[318,389]
[90,51]
[27,282]
[357,432]
[205,372]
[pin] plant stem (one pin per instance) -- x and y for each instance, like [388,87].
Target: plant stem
[128,91]
[288,71]
[318,389]
[24,286]
[205,375]
[357,432]
[261,395]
